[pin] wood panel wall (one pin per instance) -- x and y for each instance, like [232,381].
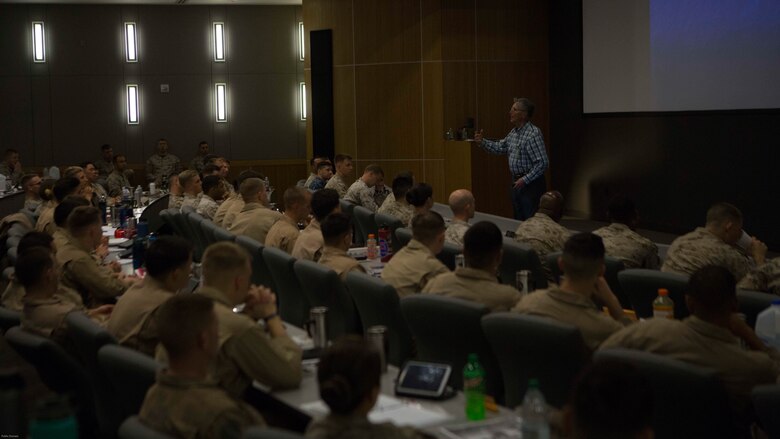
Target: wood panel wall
[407,70]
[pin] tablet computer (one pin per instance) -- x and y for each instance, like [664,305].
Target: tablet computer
[421,379]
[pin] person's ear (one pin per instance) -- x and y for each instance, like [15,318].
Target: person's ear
[560,264]
[602,270]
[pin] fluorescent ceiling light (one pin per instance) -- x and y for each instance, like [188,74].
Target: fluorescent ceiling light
[219,42]
[39,42]
[131,48]
[301,41]
[220,97]
[132,104]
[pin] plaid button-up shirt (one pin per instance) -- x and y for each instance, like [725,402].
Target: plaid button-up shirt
[524,147]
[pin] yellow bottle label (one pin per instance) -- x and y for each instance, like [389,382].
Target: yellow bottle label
[663,311]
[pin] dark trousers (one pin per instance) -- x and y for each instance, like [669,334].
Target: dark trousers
[525,201]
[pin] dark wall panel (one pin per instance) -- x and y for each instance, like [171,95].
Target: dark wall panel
[60,112]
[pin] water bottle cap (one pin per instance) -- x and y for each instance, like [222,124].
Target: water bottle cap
[533,383]
[473,358]
[663,292]
[370,236]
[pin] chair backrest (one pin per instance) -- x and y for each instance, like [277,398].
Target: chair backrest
[448,253]
[518,256]
[346,206]
[294,303]
[689,401]
[88,337]
[766,402]
[131,373]
[199,234]
[529,347]
[378,304]
[751,303]
[152,213]
[59,372]
[9,318]
[323,287]
[187,209]
[261,275]
[641,286]
[393,223]
[403,235]
[132,428]
[219,233]
[364,219]
[612,266]
[269,433]
[447,330]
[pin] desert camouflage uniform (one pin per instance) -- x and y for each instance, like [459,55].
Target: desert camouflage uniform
[545,236]
[474,285]
[115,182]
[393,207]
[699,248]
[412,268]
[191,200]
[183,407]
[339,261]
[381,196]
[159,166]
[359,427]
[455,232]
[362,195]
[633,249]
[207,207]
[337,183]
[766,278]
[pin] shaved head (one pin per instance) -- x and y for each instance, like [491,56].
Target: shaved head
[551,204]
[462,202]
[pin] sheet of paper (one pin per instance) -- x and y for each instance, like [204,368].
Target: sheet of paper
[390,409]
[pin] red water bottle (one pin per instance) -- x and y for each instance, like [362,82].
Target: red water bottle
[385,243]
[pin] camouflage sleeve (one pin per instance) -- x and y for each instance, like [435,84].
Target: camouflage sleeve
[275,362]
[367,200]
[652,261]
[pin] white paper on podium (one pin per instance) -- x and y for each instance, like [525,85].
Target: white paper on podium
[389,409]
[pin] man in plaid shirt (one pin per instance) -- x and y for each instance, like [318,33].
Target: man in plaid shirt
[524,146]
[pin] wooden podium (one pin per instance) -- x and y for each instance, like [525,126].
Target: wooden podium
[467,166]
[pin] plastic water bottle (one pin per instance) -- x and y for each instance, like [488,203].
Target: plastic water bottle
[372,251]
[768,325]
[127,197]
[474,389]
[53,419]
[663,306]
[139,193]
[2,183]
[534,412]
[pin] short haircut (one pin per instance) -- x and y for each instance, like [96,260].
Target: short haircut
[249,173]
[458,202]
[375,169]
[714,289]
[401,185]
[31,265]
[10,151]
[210,182]
[325,164]
[64,209]
[527,105]
[223,259]
[72,171]
[210,169]
[583,256]
[321,157]
[203,142]
[34,239]
[341,157]
[347,373]
[185,177]
[426,227]
[105,147]
[611,400]
[334,227]
[323,202]
[65,186]
[181,320]
[81,218]
[116,157]
[209,158]
[26,179]
[86,163]
[622,210]
[162,139]
[294,195]
[46,191]
[250,188]
[720,213]
[481,243]
[419,194]
[165,254]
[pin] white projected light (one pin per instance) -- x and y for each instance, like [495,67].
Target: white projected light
[220,91]
[301,41]
[131,48]
[219,42]
[39,42]
[132,104]
[302,95]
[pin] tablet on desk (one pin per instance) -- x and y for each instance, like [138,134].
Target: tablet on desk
[421,379]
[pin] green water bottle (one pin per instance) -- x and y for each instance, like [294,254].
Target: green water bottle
[474,389]
[53,419]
